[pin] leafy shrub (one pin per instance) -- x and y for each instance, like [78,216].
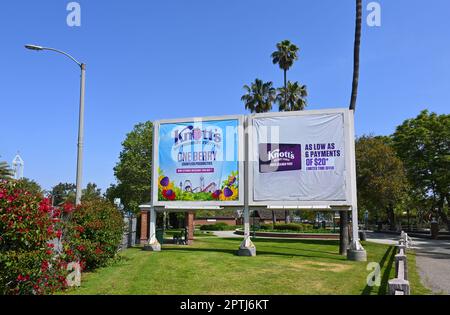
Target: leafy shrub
[29,226]
[298,227]
[93,233]
[220,226]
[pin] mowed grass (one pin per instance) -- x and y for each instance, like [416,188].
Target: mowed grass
[211,266]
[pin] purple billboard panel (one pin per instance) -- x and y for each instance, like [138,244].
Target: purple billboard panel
[279,157]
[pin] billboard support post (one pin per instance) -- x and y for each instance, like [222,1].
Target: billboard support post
[356,252]
[153,244]
[247,247]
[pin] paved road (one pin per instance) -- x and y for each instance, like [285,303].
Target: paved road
[433,260]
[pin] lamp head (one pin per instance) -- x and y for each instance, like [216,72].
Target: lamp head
[34,47]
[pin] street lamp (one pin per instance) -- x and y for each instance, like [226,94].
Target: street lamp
[80,118]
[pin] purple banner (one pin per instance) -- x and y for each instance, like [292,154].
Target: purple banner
[279,157]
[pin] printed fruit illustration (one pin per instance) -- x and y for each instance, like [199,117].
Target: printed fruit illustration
[169,194]
[164,181]
[227,192]
[216,194]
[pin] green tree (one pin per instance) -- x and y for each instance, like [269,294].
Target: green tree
[423,144]
[5,171]
[259,96]
[284,57]
[292,98]
[381,179]
[29,185]
[63,192]
[356,49]
[134,169]
[91,192]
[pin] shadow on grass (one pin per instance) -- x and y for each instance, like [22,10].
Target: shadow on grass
[258,252]
[390,252]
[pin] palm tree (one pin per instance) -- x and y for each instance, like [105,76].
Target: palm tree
[295,96]
[259,96]
[343,226]
[5,171]
[284,57]
[357,45]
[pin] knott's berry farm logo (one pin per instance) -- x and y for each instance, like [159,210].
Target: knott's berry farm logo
[279,157]
[191,133]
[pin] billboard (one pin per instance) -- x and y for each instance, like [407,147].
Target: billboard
[198,161]
[301,158]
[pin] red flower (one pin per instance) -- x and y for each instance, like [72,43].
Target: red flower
[80,248]
[68,207]
[98,251]
[58,234]
[44,205]
[44,266]
[49,252]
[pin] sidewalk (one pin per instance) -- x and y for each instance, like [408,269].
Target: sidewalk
[432,259]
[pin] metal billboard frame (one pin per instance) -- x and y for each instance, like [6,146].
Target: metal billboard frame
[350,167]
[197,205]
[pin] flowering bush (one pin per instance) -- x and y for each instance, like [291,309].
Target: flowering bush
[29,230]
[93,233]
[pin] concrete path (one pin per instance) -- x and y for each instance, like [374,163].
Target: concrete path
[432,259]
[227,234]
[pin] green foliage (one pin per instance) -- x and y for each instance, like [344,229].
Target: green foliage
[292,98]
[423,144]
[5,171]
[94,233]
[29,185]
[259,96]
[299,227]
[91,192]
[134,169]
[220,226]
[381,178]
[28,261]
[285,55]
[63,192]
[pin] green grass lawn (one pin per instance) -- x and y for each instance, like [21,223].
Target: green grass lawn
[211,266]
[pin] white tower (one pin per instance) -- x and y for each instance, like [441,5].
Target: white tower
[18,164]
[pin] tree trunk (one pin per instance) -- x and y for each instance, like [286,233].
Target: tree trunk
[274,218]
[285,90]
[343,232]
[391,217]
[356,49]
[287,218]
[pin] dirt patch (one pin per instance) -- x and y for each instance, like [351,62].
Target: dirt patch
[315,265]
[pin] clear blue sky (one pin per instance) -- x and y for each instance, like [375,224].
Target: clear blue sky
[149,60]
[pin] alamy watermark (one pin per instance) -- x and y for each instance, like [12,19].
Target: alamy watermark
[74,16]
[374,17]
[374,277]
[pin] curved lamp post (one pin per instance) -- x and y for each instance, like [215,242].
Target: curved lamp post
[80,119]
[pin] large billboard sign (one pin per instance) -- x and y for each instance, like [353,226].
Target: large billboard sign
[302,158]
[198,162]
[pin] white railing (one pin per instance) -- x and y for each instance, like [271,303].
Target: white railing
[400,284]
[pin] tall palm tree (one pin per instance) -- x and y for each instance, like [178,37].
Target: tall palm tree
[284,57]
[259,96]
[343,226]
[5,171]
[295,96]
[356,48]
